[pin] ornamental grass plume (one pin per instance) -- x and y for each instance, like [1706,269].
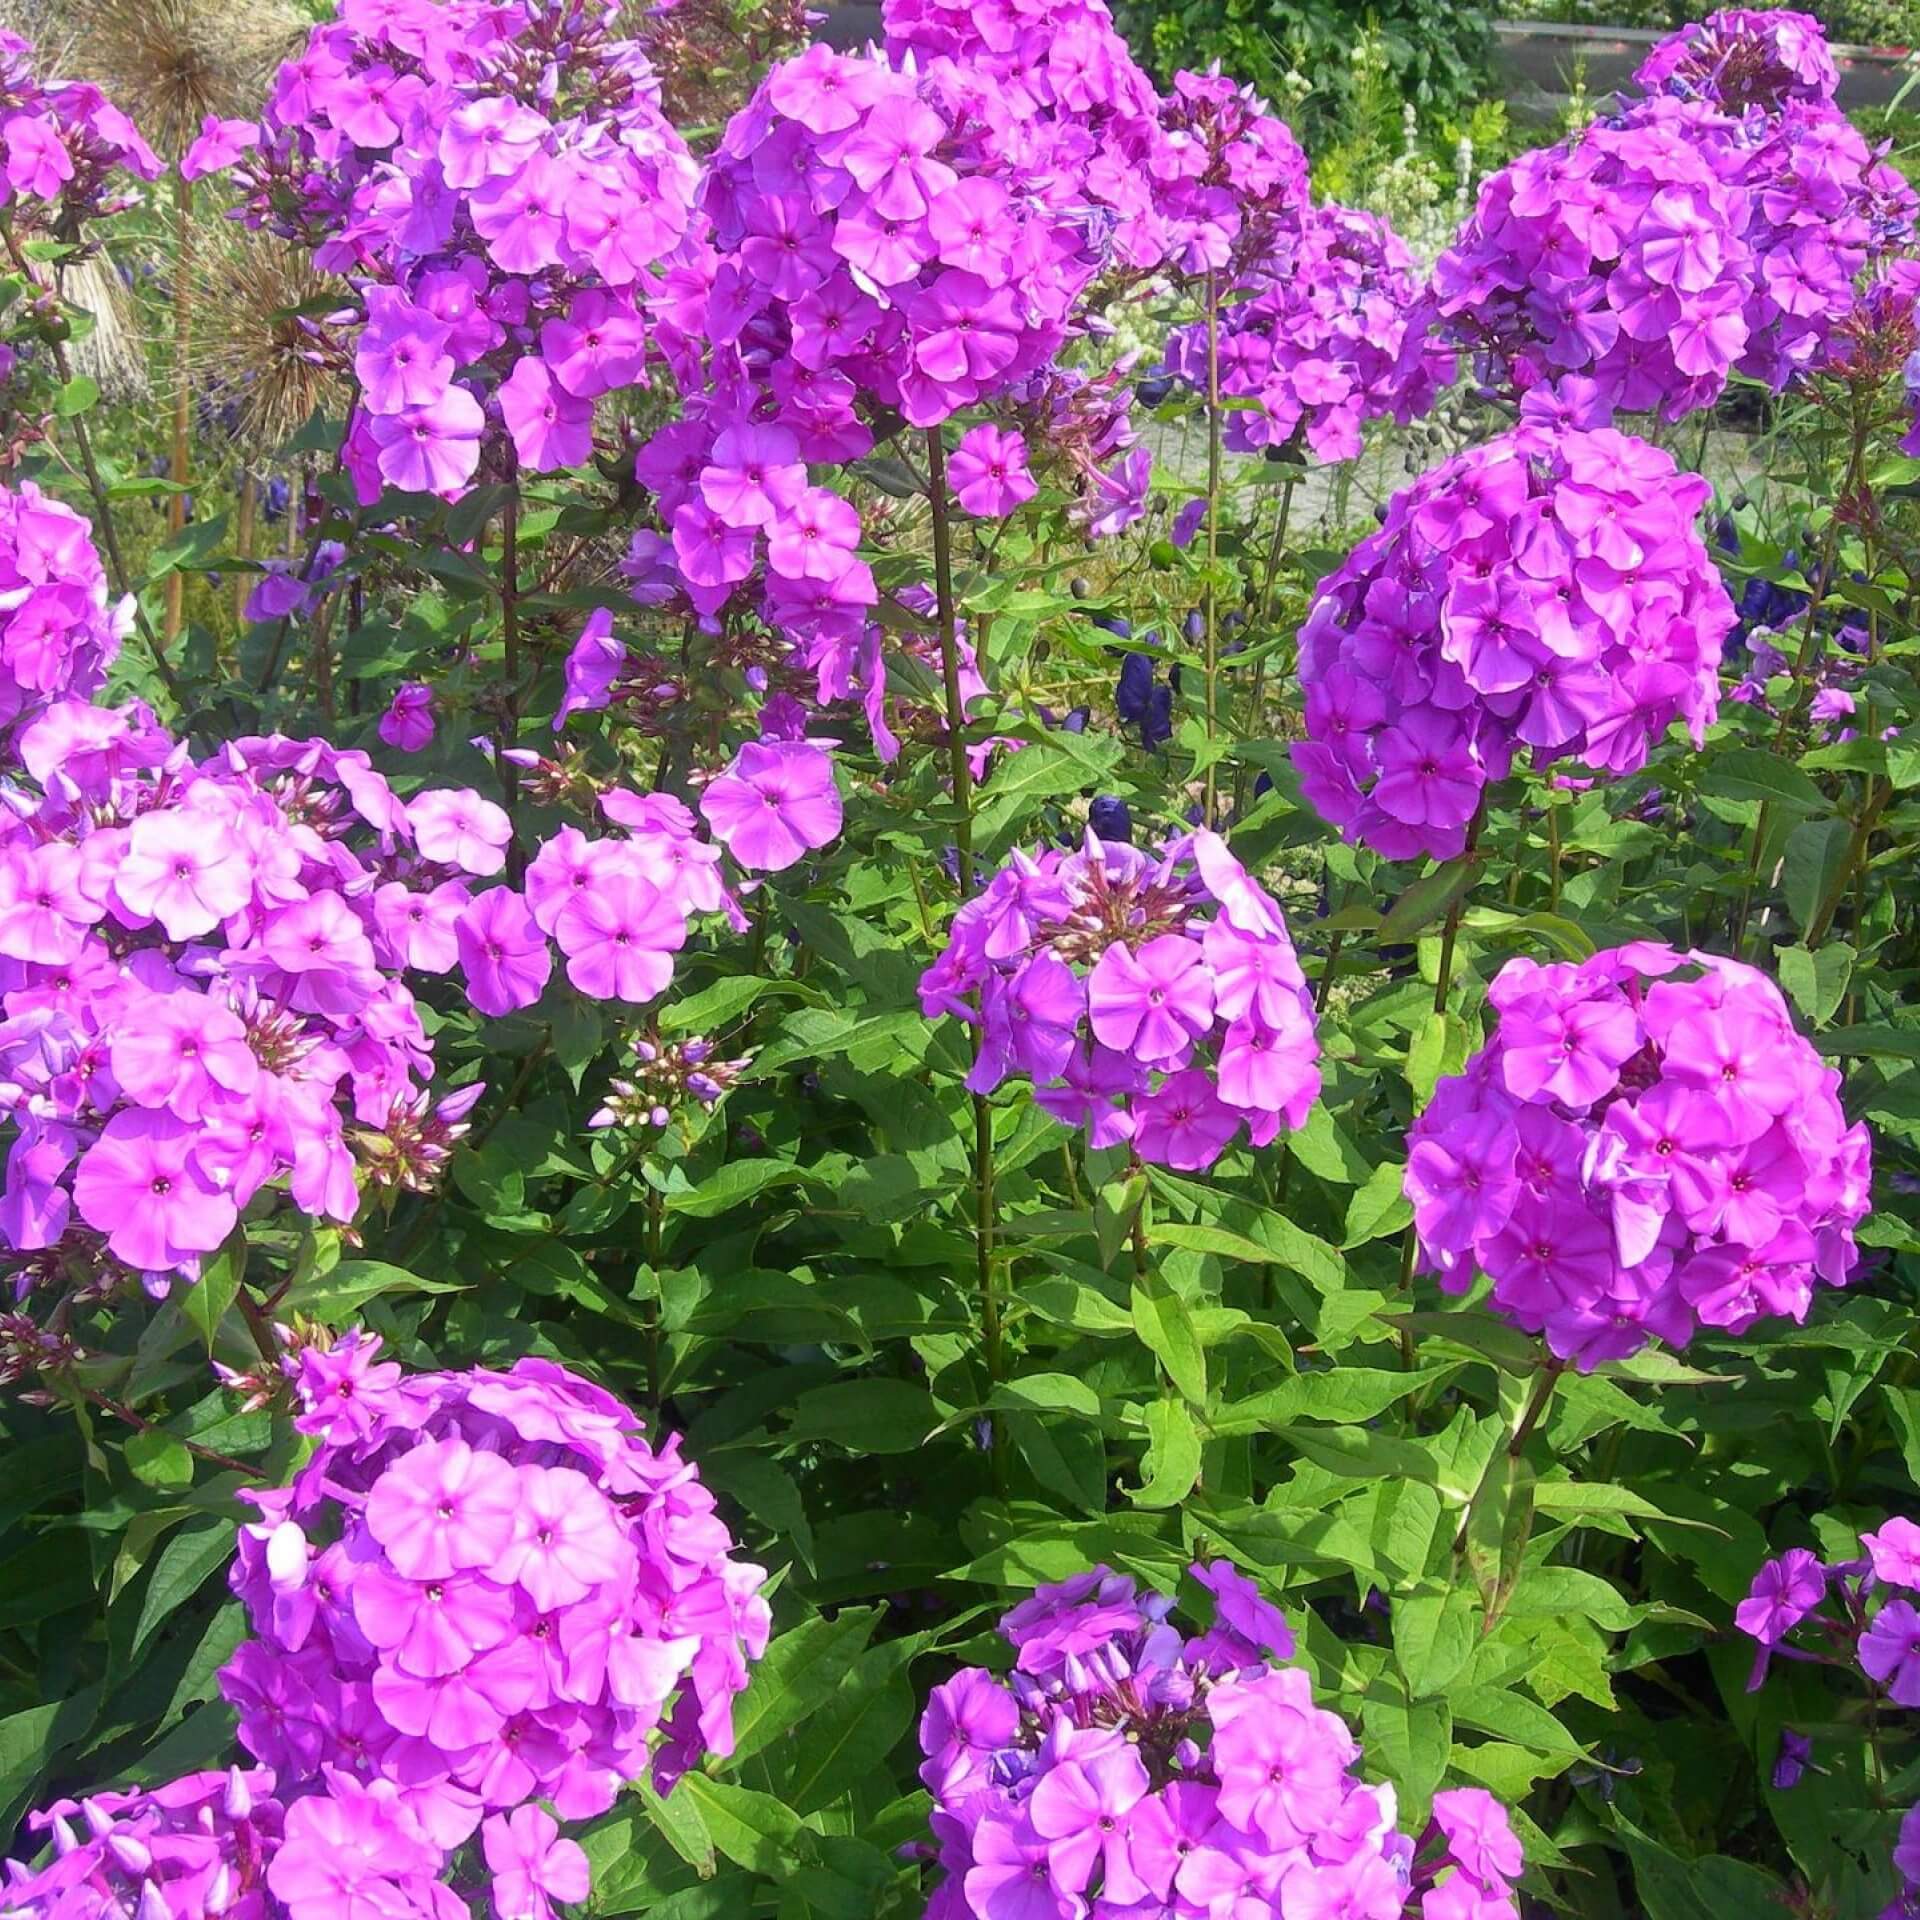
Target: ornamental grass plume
[486,1590]
[1153,999]
[1545,591]
[1643,1148]
[1124,1767]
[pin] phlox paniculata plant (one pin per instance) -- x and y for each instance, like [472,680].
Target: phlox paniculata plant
[1545,592]
[1151,998]
[1124,1764]
[497,189]
[1644,1147]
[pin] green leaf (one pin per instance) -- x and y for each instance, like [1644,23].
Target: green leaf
[193,549]
[1172,1461]
[29,1741]
[1752,773]
[1165,1327]
[1282,1245]
[1378,1208]
[867,1416]
[1357,1453]
[733,1185]
[1047,1393]
[676,1819]
[1411,1743]
[1116,1207]
[1434,1635]
[802,1669]
[752,1829]
[206,1302]
[158,1459]
[186,1563]
[77,396]
[1427,901]
[1817,979]
[1815,858]
[342,1291]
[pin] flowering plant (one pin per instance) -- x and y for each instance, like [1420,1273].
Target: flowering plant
[485,1590]
[1645,1145]
[1191,1019]
[1545,590]
[1122,1763]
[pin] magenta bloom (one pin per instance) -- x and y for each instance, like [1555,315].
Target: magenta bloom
[1201,990]
[532,1866]
[443,1508]
[592,667]
[1890,1652]
[140,1185]
[775,803]
[217,146]
[433,448]
[1545,592]
[988,471]
[187,874]
[1895,1552]
[619,934]
[407,723]
[551,427]
[502,952]
[457,826]
[487,1591]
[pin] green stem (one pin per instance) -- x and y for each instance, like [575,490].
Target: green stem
[650,1309]
[1209,611]
[993,1349]
[1450,933]
[508,732]
[1536,1408]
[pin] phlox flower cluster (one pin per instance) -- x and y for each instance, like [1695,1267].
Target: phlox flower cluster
[63,150]
[484,1590]
[1644,1146]
[1739,58]
[875,243]
[58,630]
[1070,100]
[1124,1767]
[497,185]
[1713,228]
[68,158]
[870,249]
[1152,999]
[1185,184]
[198,1845]
[1848,1613]
[1545,590]
[1327,338]
[203,974]
[222,1844]
[618,908]
[1613,267]
[1826,211]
